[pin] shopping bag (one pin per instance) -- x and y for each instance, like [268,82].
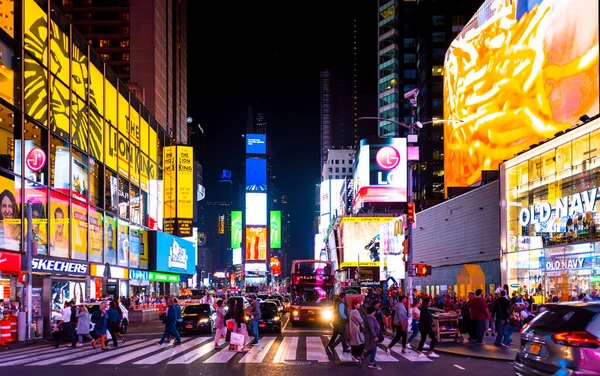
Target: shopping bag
[237,339]
[230,324]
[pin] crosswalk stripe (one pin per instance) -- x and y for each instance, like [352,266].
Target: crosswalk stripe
[258,352]
[30,359]
[193,355]
[287,350]
[109,354]
[344,357]
[223,356]
[315,350]
[170,352]
[39,350]
[410,355]
[69,355]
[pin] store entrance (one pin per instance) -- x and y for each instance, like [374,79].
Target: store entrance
[111,290]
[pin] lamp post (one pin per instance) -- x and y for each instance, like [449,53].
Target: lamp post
[413,127]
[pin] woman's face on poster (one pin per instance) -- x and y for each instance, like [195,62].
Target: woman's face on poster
[8,208]
[59,225]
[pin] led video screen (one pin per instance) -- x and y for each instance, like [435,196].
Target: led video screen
[256,209]
[520,72]
[256,144]
[256,174]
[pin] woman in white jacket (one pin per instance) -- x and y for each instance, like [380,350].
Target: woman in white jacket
[220,327]
[83,324]
[357,338]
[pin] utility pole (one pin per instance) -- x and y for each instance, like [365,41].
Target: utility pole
[409,199]
[29,270]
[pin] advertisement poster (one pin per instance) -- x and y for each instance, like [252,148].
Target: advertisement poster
[256,243]
[134,247]
[59,225]
[275,229]
[520,73]
[236,229]
[80,180]
[38,176]
[143,249]
[256,174]
[275,266]
[169,185]
[38,197]
[79,231]
[10,216]
[256,144]
[110,240]
[123,244]
[95,227]
[185,183]
[65,291]
[174,255]
[361,239]
[256,209]
[178,179]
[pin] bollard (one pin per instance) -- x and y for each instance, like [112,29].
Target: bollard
[22,329]
[5,331]
[13,328]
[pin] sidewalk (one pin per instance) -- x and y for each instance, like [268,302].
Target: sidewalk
[466,349]
[21,344]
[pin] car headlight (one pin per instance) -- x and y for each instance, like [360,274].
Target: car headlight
[204,321]
[276,318]
[246,318]
[327,314]
[295,313]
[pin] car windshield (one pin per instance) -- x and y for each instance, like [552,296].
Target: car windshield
[312,295]
[196,309]
[268,308]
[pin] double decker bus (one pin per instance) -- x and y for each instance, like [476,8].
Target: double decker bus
[312,286]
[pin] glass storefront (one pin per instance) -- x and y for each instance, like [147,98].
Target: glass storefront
[551,216]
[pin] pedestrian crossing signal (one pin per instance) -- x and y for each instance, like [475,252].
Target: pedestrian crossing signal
[422,270]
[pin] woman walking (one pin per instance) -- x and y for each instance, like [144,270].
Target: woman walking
[114,318]
[415,321]
[400,324]
[372,330]
[425,328]
[100,318]
[357,338]
[240,325]
[83,324]
[229,316]
[221,329]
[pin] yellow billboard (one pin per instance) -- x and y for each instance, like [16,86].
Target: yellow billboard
[185,182]
[519,73]
[360,239]
[178,190]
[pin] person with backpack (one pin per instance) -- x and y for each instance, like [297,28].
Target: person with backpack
[340,325]
[100,319]
[516,319]
[400,324]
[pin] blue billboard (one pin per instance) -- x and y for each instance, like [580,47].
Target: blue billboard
[256,175]
[256,144]
[174,255]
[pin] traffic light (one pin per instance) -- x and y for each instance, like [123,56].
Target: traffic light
[422,270]
[411,212]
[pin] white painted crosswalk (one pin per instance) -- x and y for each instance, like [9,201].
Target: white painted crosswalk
[195,350]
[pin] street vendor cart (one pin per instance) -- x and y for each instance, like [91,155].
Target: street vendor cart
[446,327]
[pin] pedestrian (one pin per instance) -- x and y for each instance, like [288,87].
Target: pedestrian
[500,316]
[466,324]
[400,324]
[340,325]
[478,310]
[516,318]
[372,330]
[83,324]
[100,319]
[170,322]
[489,323]
[220,328]
[425,327]
[357,337]
[114,323]
[416,314]
[240,324]
[67,324]
[255,316]
[229,316]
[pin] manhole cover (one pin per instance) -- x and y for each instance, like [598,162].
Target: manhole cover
[297,362]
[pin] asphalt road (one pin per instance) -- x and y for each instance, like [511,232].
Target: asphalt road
[296,351]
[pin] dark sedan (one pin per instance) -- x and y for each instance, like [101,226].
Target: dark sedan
[198,317]
[270,318]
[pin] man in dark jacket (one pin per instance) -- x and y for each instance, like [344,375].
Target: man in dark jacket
[173,314]
[425,323]
[500,316]
[340,325]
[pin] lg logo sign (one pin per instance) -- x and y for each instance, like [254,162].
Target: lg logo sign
[387,158]
[35,160]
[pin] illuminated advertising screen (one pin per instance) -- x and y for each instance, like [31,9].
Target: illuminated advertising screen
[275,266]
[256,209]
[385,178]
[173,254]
[178,188]
[256,243]
[330,200]
[236,229]
[256,144]
[237,256]
[275,229]
[256,174]
[519,73]
[361,239]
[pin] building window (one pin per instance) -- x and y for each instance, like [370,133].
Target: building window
[438,20]
[438,36]
[438,53]
[437,70]
[410,58]
[343,169]
[124,43]
[337,176]
[350,161]
[124,16]
[125,56]
[330,177]
[105,57]
[343,161]
[410,73]
[104,43]
[410,43]
[350,170]
[337,161]
[337,169]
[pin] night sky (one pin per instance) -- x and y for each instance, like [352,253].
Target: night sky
[272,52]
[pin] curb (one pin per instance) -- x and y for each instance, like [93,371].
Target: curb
[22,344]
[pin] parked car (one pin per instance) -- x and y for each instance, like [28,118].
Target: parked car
[198,317]
[279,305]
[270,317]
[94,306]
[562,339]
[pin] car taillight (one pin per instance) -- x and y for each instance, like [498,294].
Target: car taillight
[577,339]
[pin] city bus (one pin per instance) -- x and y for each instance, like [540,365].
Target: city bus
[312,285]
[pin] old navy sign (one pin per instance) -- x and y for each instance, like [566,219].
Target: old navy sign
[567,264]
[59,266]
[580,202]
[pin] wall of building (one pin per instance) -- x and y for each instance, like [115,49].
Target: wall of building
[461,230]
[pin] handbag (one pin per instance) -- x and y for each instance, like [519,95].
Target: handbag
[236,339]
[230,324]
[361,335]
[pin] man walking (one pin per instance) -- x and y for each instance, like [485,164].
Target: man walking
[340,325]
[69,322]
[256,315]
[173,314]
[500,316]
[479,313]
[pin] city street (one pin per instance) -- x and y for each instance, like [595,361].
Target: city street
[293,352]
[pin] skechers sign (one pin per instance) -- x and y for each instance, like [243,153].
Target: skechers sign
[581,202]
[59,266]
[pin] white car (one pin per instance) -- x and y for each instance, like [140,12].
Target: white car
[94,306]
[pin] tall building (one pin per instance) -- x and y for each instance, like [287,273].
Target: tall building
[412,42]
[257,121]
[145,43]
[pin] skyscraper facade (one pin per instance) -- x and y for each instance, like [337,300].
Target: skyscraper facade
[145,43]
